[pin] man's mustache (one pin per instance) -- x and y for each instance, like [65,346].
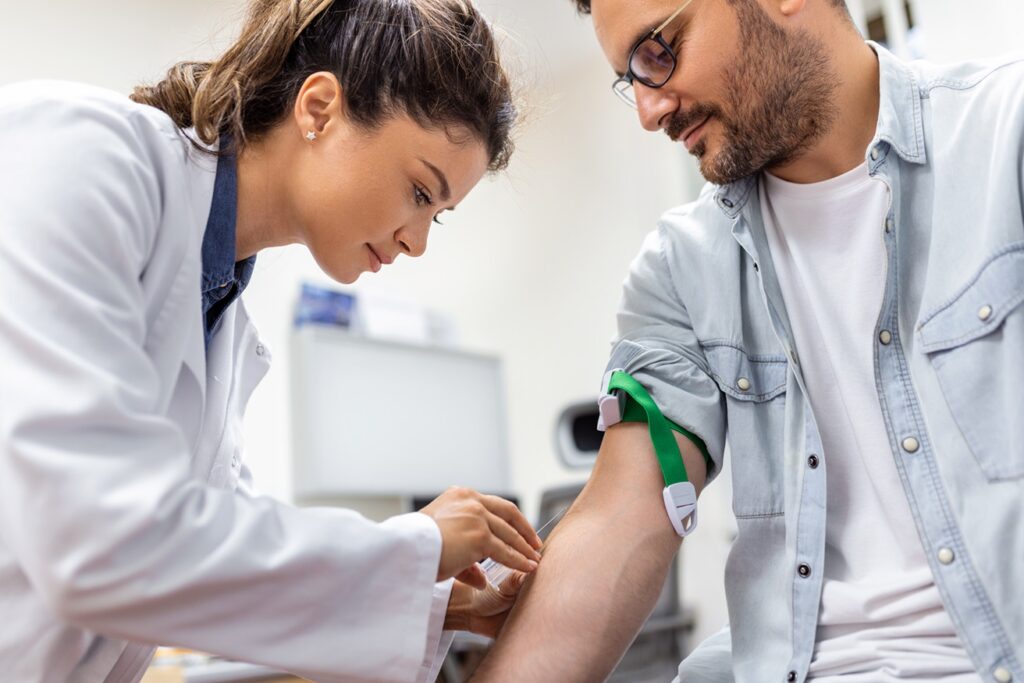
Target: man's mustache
[680,122]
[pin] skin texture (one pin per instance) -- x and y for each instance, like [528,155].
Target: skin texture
[358,198]
[351,188]
[605,564]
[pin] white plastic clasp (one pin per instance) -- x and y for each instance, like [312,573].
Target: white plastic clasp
[609,406]
[681,506]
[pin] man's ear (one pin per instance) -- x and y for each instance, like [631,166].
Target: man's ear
[791,7]
[320,104]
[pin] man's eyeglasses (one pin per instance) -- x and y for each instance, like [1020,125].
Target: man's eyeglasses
[651,62]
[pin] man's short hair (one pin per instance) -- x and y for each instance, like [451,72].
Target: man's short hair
[583,6]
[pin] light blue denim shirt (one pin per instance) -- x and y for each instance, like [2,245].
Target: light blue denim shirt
[702,309]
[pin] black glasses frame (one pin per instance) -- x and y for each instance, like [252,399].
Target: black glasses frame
[623,85]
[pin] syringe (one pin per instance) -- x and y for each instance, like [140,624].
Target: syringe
[497,572]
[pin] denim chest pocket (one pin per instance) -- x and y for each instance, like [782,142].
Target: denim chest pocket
[754,387]
[975,343]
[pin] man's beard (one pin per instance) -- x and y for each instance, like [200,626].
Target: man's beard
[780,100]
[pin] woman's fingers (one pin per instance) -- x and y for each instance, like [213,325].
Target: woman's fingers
[474,526]
[473,576]
[512,515]
[510,557]
[511,585]
[511,537]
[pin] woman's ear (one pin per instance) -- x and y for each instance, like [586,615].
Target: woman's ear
[320,104]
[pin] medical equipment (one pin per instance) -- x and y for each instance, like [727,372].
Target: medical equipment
[496,572]
[344,447]
[626,400]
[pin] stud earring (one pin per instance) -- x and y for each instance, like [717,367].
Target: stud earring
[311,136]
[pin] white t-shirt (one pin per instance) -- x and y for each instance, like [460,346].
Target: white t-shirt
[881,616]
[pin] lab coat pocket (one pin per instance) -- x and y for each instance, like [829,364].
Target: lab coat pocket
[975,344]
[755,390]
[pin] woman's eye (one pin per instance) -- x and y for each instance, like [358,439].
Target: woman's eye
[421,197]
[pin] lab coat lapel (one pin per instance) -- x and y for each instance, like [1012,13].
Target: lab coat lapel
[203,172]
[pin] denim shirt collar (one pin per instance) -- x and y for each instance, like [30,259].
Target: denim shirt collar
[900,126]
[223,278]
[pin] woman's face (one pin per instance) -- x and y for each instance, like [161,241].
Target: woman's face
[362,197]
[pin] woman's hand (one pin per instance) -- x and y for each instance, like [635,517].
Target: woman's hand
[474,526]
[482,611]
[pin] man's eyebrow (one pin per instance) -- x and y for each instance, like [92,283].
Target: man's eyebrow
[446,192]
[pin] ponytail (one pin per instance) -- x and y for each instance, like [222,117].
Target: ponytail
[435,61]
[209,96]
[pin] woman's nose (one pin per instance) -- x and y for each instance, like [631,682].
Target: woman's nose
[413,241]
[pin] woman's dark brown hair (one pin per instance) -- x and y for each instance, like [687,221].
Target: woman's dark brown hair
[433,60]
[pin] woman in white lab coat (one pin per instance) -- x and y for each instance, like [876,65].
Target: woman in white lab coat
[128,228]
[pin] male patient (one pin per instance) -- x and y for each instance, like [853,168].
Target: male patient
[843,304]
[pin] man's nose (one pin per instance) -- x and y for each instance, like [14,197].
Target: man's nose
[653,105]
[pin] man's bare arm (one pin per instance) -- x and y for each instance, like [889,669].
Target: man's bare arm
[603,568]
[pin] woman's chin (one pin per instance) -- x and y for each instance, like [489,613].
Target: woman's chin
[346,277]
[342,273]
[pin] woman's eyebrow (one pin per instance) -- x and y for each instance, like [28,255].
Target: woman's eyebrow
[446,192]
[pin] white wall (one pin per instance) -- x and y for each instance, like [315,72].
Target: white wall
[113,43]
[955,30]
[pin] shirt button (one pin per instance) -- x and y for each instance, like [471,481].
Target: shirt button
[985,312]
[791,676]
[910,444]
[261,350]
[726,202]
[1003,675]
[946,556]
[885,336]
[743,383]
[804,570]
[875,154]
[889,224]
[812,462]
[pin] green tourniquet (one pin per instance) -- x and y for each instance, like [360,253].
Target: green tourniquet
[668,452]
[665,447]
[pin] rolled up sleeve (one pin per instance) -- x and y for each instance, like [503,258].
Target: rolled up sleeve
[656,344]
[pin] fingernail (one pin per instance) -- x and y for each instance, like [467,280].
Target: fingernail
[531,564]
[536,555]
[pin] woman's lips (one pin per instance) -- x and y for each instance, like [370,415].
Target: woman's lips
[375,260]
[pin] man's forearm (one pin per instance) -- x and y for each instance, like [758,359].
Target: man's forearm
[602,571]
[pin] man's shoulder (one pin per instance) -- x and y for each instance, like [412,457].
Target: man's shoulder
[697,220]
[1004,72]
[697,229]
[976,107]
[691,242]
[983,89]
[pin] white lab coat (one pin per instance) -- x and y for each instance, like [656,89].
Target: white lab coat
[126,515]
